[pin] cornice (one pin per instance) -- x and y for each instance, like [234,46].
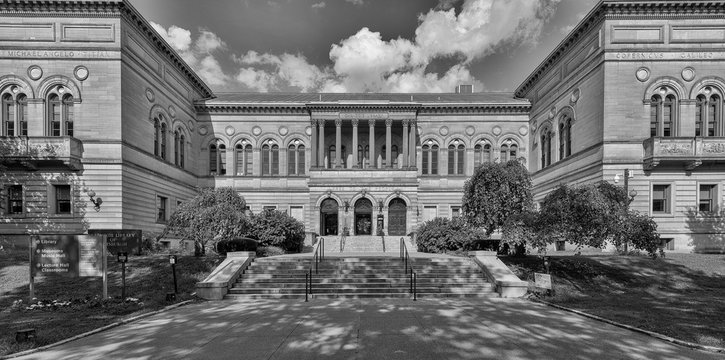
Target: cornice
[296,108]
[621,9]
[291,109]
[476,109]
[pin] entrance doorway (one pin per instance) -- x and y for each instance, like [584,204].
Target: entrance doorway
[363,217]
[397,217]
[328,217]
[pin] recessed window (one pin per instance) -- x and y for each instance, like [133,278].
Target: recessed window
[15,199]
[62,199]
[481,154]
[456,155]
[243,154]
[661,199]
[663,113]
[296,158]
[269,207]
[161,205]
[455,212]
[217,159]
[270,159]
[707,198]
[430,159]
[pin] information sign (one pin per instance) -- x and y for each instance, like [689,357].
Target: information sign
[119,241]
[90,259]
[542,280]
[72,255]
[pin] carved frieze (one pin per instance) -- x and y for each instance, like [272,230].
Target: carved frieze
[713,148]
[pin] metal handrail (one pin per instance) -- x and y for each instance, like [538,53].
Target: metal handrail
[413,279]
[342,242]
[317,257]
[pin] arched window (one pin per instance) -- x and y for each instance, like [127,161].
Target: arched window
[68,114]
[8,114]
[296,158]
[23,114]
[430,158]
[54,114]
[181,146]
[176,147]
[565,138]
[663,113]
[709,115]
[713,115]
[163,141]
[546,137]
[481,154]
[243,156]
[508,150]
[217,159]
[157,129]
[456,151]
[270,159]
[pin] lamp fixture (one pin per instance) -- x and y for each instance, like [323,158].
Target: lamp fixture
[96,202]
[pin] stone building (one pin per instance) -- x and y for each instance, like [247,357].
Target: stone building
[95,102]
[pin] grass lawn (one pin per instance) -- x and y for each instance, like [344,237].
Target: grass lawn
[148,278]
[682,295]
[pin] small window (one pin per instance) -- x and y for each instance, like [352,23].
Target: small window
[269,207]
[161,203]
[15,199]
[661,199]
[430,213]
[707,197]
[455,212]
[668,244]
[62,199]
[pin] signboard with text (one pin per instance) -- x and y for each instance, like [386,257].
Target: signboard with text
[72,255]
[542,280]
[120,241]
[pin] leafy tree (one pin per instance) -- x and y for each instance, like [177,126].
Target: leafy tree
[494,193]
[521,230]
[442,234]
[276,228]
[642,233]
[212,215]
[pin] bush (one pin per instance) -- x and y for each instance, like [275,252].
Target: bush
[442,235]
[236,244]
[276,228]
[642,233]
[266,251]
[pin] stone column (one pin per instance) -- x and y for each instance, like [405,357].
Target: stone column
[313,143]
[354,144]
[388,143]
[321,155]
[406,149]
[373,161]
[412,143]
[338,143]
[257,159]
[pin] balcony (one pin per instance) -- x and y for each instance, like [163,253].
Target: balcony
[691,152]
[32,153]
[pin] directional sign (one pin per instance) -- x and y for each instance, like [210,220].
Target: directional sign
[72,255]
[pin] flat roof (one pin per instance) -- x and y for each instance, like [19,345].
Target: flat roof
[505,98]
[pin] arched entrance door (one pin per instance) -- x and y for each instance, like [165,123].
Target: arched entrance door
[363,217]
[328,217]
[396,217]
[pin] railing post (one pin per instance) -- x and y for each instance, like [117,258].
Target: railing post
[307,278]
[415,287]
[310,281]
[411,281]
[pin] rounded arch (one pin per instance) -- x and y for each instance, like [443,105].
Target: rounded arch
[9,80]
[328,195]
[514,137]
[264,137]
[565,111]
[295,136]
[236,139]
[666,81]
[437,140]
[482,138]
[47,85]
[713,81]
[360,195]
[215,139]
[177,124]
[460,137]
[157,110]
[397,195]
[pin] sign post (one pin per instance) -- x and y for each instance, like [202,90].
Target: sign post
[70,255]
[123,258]
[172,260]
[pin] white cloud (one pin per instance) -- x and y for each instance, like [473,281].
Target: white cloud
[258,80]
[319,5]
[178,38]
[356,2]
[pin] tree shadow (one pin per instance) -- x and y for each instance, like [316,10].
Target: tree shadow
[707,229]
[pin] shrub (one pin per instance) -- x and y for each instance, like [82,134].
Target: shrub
[276,228]
[642,233]
[266,251]
[236,244]
[443,235]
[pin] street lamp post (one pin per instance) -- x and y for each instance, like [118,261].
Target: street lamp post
[630,197]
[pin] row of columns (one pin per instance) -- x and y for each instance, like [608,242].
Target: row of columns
[318,143]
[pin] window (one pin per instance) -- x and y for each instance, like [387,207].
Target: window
[565,138]
[546,137]
[15,199]
[23,114]
[269,208]
[157,135]
[68,114]
[8,114]
[430,159]
[176,148]
[455,212]
[182,143]
[481,154]
[508,151]
[62,199]
[663,112]
[54,114]
[661,199]
[360,156]
[394,155]
[296,158]
[668,243]
[161,203]
[429,213]
[217,159]
[163,141]
[708,116]
[244,158]
[456,152]
[707,198]
[270,159]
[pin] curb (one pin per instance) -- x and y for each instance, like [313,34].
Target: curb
[635,329]
[95,331]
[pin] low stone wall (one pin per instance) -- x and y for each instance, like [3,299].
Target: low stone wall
[507,283]
[217,284]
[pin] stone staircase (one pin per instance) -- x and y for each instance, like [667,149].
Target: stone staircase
[360,276]
[366,243]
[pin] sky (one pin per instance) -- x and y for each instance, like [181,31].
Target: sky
[426,46]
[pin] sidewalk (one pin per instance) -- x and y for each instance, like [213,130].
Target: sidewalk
[369,329]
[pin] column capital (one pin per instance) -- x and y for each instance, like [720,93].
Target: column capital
[406,122]
[338,122]
[389,122]
[371,122]
[321,121]
[355,122]
[313,122]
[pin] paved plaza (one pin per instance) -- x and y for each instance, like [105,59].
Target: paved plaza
[369,329]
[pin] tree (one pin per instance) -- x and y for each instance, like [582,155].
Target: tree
[276,228]
[494,193]
[440,235]
[212,215]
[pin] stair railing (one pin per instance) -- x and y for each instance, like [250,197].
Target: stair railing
[342,242]
[409,272]
[317,257]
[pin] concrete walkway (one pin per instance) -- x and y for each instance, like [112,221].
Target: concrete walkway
[369,329]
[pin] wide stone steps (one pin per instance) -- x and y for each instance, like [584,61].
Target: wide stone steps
[380,276]
[366,244]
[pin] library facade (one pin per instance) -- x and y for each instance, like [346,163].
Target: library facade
[96,104]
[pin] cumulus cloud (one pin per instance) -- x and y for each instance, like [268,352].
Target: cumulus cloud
[319,5]
[356,2]
[456,32]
